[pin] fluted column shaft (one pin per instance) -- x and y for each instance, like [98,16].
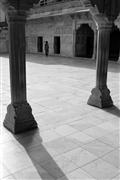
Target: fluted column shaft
[102,57]
[100,94]
[16,29]
[19,116]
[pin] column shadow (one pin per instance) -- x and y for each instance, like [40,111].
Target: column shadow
[113,110]
[43,162]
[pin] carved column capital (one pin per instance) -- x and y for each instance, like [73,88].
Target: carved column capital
[105,26]
[16,16]
[100,19]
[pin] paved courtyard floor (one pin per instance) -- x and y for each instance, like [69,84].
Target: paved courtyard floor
[74,141]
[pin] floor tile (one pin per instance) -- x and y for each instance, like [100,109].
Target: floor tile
[16,161]
[65,130]
[78,174]
[29,173]
[100,169]
[49,135]
[113,158]
[91,118]
[44,173]
[95,132]
[60,145]
[108,126]
[65,164]
[13,147]
[4,171]
[111,139]
[6,137]
[53,169]
[97,148]
[80,138]
[80,156]
[40,154]
[11,177]
[33,173]
[81,125]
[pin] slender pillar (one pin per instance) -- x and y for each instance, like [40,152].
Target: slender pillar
[100,96]
[95,44]
[74,33]
[19,116]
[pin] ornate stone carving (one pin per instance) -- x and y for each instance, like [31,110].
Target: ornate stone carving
[117,21]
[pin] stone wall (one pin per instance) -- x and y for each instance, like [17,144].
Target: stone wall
[48,28]
[63,26]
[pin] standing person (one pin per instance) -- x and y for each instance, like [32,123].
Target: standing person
[46,48]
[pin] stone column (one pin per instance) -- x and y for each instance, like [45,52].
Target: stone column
[74,34]
[19,116]
[100,94]
[95,44]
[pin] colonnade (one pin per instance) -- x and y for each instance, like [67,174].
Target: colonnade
[19,116]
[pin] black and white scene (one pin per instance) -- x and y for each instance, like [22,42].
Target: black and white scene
[59,89]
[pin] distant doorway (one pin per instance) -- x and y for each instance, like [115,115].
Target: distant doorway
[114,49]
[84,41]
[40,44]
[57,44]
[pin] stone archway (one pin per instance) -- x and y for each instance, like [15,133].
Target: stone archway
[84,44]
[114,49]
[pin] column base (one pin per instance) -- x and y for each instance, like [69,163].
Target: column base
[100,98]
[19,118]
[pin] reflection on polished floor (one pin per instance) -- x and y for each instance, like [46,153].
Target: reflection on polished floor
[74,141]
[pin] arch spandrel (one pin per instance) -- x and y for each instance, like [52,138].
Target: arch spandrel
[100,19]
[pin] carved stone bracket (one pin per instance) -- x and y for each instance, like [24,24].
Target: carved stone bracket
[117,22]
[93,26]
[99,18]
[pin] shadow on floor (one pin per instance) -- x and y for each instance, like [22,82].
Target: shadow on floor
[58,60]
[67,61]
[45,165]
[70,61]
[113,110]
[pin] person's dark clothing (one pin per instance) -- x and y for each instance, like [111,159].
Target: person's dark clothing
[46,48]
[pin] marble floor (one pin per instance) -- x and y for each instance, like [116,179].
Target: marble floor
[74,141]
